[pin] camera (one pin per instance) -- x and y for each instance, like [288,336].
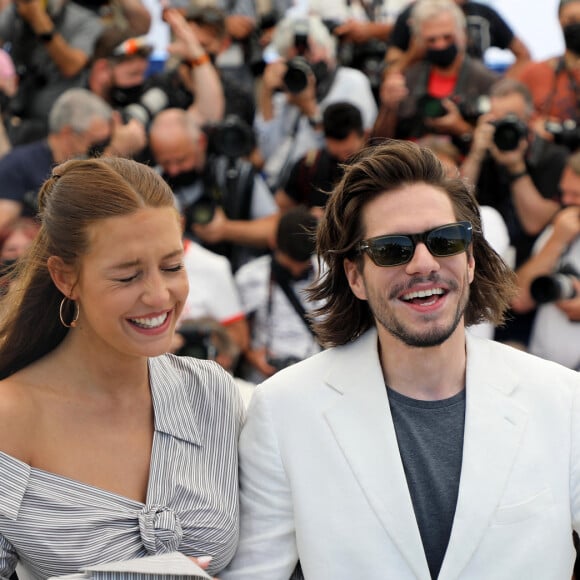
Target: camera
[296,76]
[198,342]
[227,142]
[151,102]
[282,362]
[566,133]
[558,286]
[431,107]
[509,131]
[232,137]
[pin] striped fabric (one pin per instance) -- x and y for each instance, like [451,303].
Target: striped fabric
[53,525]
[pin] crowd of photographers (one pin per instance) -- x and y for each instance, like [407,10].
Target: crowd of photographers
[254,113]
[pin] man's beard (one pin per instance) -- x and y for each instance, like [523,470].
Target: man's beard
[433,336]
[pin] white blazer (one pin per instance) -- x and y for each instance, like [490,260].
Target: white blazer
[322,479]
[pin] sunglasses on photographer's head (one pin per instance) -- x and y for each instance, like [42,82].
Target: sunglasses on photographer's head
[398,249]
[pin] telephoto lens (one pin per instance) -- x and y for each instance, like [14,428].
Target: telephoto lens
[558,286]
[296,77]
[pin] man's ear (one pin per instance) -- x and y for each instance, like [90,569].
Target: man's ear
[63,276]
[355,279]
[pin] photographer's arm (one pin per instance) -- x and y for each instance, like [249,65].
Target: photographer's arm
[69,60]
[566,227]
[239,332]
[137,15]
[522,54]
[270,81]
[393,91]
[128,139]
[209,102]
[534,211]
[257,232]
[470,169]
[359,32]
[209,95]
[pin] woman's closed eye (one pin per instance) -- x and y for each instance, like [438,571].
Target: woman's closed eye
[176,268]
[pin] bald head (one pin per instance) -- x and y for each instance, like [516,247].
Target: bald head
[177,142]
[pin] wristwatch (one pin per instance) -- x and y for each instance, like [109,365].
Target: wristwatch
[46,37]
[315,121]
[515,176]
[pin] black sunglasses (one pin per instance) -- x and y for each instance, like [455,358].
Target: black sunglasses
[398,249]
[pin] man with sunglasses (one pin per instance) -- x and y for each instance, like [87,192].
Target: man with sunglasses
[409,449]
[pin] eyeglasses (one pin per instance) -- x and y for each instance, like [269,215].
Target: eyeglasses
[398,249]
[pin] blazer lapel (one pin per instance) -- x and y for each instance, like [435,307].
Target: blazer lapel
[494,425]
[363,428]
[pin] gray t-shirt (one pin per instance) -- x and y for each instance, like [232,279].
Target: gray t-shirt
[430,438]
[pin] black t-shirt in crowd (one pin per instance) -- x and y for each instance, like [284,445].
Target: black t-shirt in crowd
[312,178]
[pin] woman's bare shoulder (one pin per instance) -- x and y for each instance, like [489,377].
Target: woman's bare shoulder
[19,408]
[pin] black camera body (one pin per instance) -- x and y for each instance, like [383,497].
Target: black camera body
[231,140]
[151,102]
[509,131]
[280,363]
[296,76]
[430,107]
[232,137]
[557,286]
[198,342]
[566,133]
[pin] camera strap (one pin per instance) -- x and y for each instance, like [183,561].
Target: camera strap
[561,68]
[284,285]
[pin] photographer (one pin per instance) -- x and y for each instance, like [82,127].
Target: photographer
[554,82]
[442,93]
[212,184]
[515,170]
[80,125]
[208,25]
[190,81]
[296,87]
[549,279]
[272,292]
[485,29]
[205,338]
[314,175]
[51,43]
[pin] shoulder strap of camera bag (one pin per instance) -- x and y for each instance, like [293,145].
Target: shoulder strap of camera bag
[293,299]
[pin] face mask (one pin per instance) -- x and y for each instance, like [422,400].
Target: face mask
[182,179]
[97,149]
[443,57]
[123,96]
[572,37]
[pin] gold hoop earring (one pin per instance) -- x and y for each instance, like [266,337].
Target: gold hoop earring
[73,322]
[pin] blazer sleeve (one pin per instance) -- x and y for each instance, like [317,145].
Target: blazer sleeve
[267,548]
[575,462]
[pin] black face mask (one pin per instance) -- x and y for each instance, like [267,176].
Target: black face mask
[182,179]
[443,57]
[123,96]
[97,149]
[572,37]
